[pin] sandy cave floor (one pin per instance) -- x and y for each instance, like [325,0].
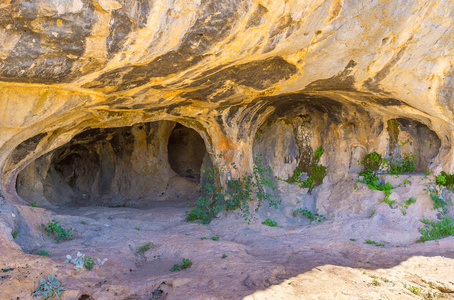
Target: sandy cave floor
[310,261]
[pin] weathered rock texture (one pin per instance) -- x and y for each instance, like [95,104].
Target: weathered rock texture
[226,69]
[124,102]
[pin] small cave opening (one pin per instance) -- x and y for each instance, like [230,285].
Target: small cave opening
[187,151]
[129,166]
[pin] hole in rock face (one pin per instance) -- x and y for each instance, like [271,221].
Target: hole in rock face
[186,152]
[126,166]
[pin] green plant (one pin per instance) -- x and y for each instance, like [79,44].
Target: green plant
[239,193]
[445,179]
[387,201]
[310,214]
[215,238]
[371,242]
[409,201]
[373,182]
[413,289]
[88,262]
[55,229]
[375,282]
[264,180]
[43,252]
[371,162]
[315,172]
[371,213]
[434,230]
[14,234]
[406,181]
[224,256]
[144,248]
[49,289]
[137,228]
[185,265]
[270,222]
[204,238]
[385,279]
[157,293]
[33,204]
[83,222]
[401,164]
[437,197]
[81,261]
[353,240]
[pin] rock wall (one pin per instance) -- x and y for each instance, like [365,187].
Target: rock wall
[327,73]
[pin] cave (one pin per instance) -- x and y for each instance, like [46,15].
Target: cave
[186,151]
[124,166]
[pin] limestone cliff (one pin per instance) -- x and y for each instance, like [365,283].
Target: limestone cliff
[225,69]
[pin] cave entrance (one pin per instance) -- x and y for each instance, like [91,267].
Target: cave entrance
[125,166]
[187,151]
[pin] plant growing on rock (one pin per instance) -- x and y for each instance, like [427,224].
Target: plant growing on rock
[446,180]
[144,248]
[184,265]
[370,166]
[401,164]
[48,289]
[53,228]
[316,172]
[372,162]
[434,230]
[240,192]
[270,222]
[371,242]
[43,252]
[81,261]
[310,214]
[436,195]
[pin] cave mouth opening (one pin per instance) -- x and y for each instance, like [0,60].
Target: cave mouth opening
[186,150]
[130,166]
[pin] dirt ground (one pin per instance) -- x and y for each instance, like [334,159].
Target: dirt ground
[326,260]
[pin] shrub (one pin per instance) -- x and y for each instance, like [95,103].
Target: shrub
[55,229]
[445,179]
[437,197]
[144,248]
[373,182]
[371,162]
[270,222]
[50,288]
[401,164]
[43,252]
[185,265]
[316,173]
[434,230]
[311,215]
[238,195]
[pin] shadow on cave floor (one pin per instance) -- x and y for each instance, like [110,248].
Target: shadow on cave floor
[315,261]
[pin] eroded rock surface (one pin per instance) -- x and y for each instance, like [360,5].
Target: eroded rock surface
[130,103]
